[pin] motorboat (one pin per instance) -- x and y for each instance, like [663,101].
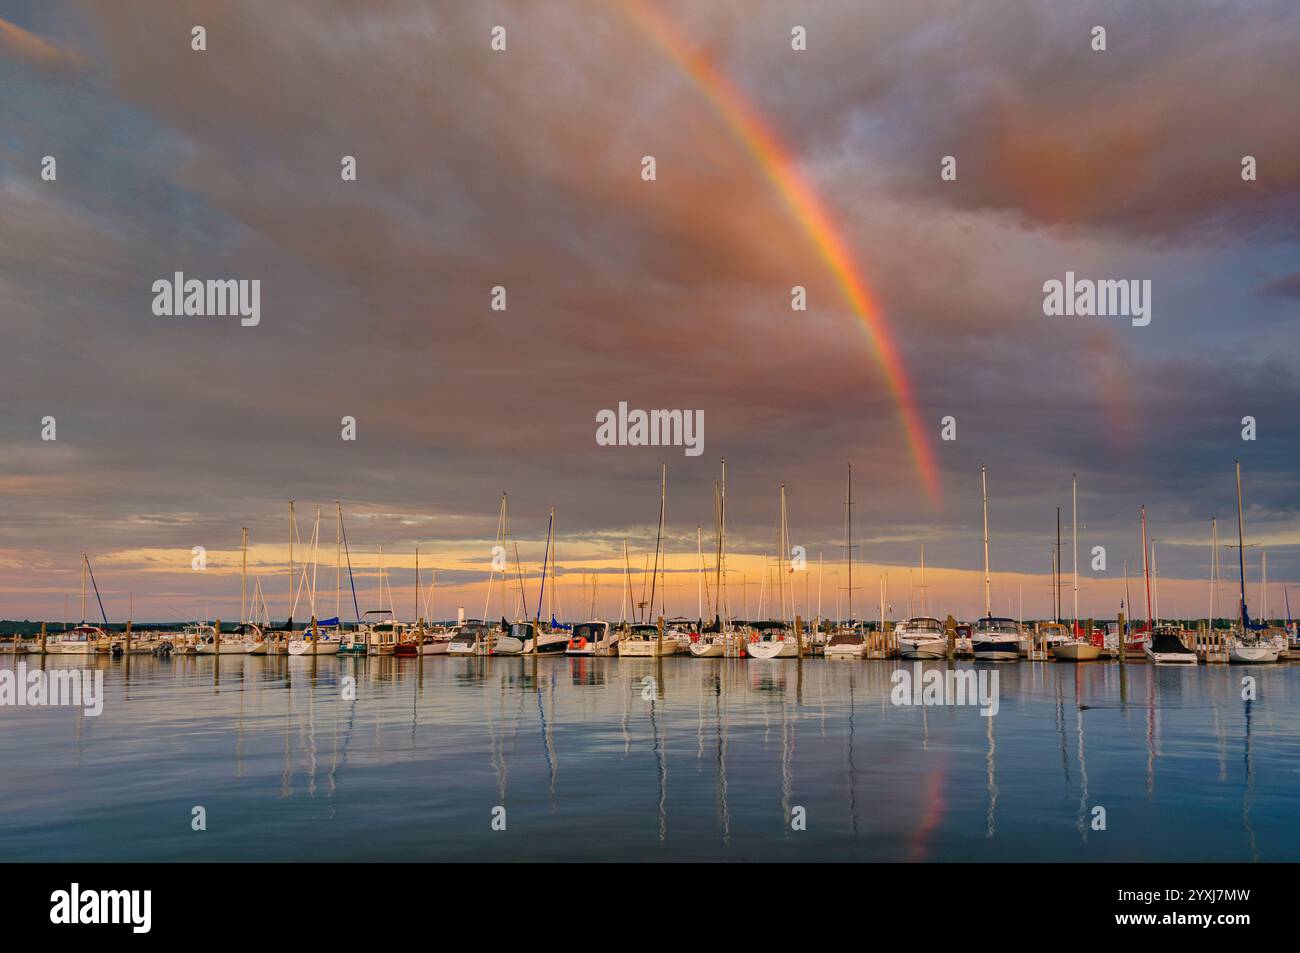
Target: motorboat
[81,640]
[996,639]
[921,637]
[642,641]
[469,638]
[527,638]
[1166,647]
[848,643]
[593,638]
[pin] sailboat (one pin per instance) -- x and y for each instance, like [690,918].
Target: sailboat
[713,640]
[1077,648]
[1248,643]
[320,637]
[777,639]
[1164,647]
[643,639]
[83,639]
[530,636]
[993,639]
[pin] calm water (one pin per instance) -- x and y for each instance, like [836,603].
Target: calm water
[593,762]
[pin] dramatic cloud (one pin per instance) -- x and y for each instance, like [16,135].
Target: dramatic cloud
[522,169]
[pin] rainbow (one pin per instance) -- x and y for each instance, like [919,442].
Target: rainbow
[761,141]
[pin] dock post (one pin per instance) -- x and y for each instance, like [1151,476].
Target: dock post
[42,638]
[315,635]
[128,638]
[798,634]
[216,638]
[950,632]
[659,649]
[1123,638]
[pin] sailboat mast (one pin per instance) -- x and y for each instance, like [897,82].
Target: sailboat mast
[699,584]
[1214,567]
[924,610]
[1074,542]
[627,584]
[1146,568]
[292,522]
[848,538]
[722,540]
[659,534]
[1241,553]
[243,578]
[338,561]
[85,565]
[988,604]
[1059,555]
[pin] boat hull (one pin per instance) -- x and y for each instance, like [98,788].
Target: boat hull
[1008,651]
[707,649]
[923,649]
[778,649]
[299,647]
[1076,652]
[1253,654]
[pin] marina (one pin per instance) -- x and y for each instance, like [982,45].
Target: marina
[649,758]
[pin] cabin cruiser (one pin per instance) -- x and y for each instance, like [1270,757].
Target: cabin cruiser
[849,643]
[996,639]
[1166,647]
[1049,636]
[434,641]
[921,637]
[469,638]
[593,638]
[83,640]
[382,635]
[526,637]
[642,641]
[772,640]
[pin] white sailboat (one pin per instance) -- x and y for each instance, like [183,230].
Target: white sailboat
[713,642]
[1074,649]
[993,639]
[83,639]
[1248,643]
[778,640]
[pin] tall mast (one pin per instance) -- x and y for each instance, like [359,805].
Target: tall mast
[85,564]
[1214,567]
[988,604]
[848,538]
[292,523]
[1074,534]
[417,584]
[659,535]
[699,584]
[924,611]
[243,579]
[1059,560]
[1146,569]
[1241,553]
[546,557]
[722,541]
[338,562]
[627,583]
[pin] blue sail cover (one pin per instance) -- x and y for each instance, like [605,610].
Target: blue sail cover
[328,623]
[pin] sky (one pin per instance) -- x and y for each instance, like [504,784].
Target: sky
[523,168]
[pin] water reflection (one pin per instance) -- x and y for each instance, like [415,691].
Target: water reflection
[671,758]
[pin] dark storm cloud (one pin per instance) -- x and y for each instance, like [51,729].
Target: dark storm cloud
[522,169]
